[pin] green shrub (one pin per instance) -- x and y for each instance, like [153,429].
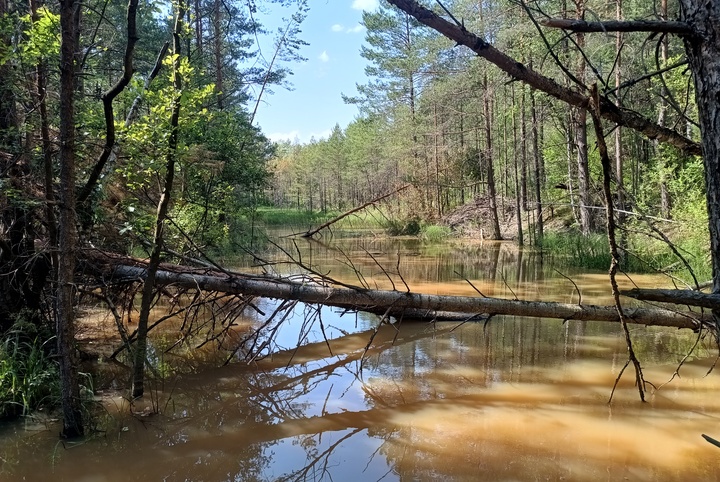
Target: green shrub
[402,227]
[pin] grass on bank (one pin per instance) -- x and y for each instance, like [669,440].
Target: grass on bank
[304,219]
[435,234]
[640,254]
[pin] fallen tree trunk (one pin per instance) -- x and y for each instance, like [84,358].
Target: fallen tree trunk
[678,297]
[395,303]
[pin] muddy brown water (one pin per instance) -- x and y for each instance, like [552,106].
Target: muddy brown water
[513,399]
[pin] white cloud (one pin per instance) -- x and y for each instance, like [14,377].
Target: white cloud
[365,4]
[297,137]
[321,135]
[337,28]
[356,29]
[324,57]
[292,136]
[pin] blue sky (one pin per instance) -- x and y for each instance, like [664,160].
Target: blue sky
[333,67]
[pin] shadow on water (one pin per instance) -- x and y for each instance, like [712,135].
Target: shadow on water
[516,399]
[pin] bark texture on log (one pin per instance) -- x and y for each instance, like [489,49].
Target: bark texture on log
[678,297]
[395,302]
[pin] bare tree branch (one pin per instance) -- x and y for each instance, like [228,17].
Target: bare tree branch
[608,110]
[680,28]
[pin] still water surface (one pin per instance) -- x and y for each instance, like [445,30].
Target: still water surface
[513,399]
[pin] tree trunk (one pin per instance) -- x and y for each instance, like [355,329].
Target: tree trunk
[665,201]
[198,30]
[67,232]
[523,151]
[537,164]
[608,110]
[583,174]
[581,136]
[518,189]
[395,302]
[148,294]
[107,99]
[217,51]
[618,130]
[703,51]
[492,195]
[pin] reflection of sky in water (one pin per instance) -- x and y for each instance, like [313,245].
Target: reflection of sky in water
[304,324]
[346,455]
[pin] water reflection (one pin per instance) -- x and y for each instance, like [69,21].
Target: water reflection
[513,399]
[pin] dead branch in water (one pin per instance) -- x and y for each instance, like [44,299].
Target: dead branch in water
[312,232]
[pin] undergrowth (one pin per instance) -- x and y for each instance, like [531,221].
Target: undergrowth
[435,234]
[640,254]
[28,376]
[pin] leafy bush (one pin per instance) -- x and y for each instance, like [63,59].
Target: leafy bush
[402,227]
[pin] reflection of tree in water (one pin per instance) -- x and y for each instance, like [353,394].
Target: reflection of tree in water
[425,393]
[247,411]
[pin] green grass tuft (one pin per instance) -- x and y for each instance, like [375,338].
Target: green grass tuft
[28,376]
[641,254]
[435,234]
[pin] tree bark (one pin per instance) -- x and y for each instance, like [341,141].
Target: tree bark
[581,147]
[576,25]
[665,200]
[583,174]
[138,384]
[67,232]
[492,194]
[518,188]
[678,297]
[523,150]
[703,51]
[619,181]
[107,99]
[537,167]
[395,302]
[217,53]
